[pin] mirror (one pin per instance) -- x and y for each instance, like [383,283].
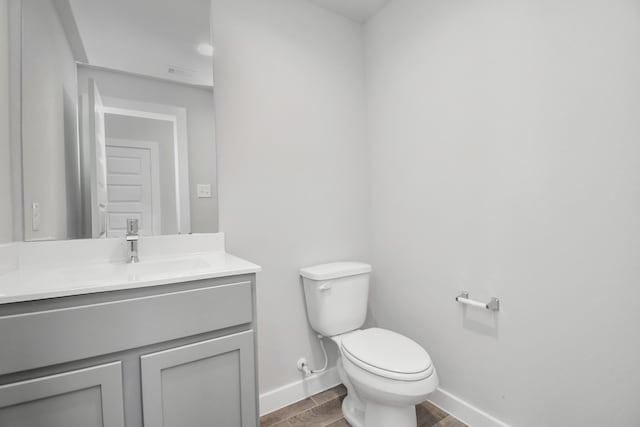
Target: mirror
[117,118]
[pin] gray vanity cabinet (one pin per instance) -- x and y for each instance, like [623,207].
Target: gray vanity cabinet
[175,355]
[90,397]
[208,383]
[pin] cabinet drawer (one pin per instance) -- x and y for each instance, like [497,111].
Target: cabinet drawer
[38,339]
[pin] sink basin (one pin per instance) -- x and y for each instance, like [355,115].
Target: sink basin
[144,270]
[167,266]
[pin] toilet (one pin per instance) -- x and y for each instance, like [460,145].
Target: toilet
[386,374]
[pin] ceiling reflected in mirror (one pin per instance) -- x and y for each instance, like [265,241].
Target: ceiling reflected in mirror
[158,38]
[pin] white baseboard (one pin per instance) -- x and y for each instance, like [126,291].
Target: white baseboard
[464,411]
[301,389]
[298,390]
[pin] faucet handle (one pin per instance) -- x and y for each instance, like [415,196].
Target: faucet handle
[132,226]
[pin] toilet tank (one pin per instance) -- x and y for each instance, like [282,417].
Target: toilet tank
[336,295]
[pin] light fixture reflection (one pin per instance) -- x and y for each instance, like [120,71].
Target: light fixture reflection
[205,49]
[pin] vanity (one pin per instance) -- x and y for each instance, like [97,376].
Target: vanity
[87,339]
[113,157]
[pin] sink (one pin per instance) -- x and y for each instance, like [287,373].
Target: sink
[146,268]
[100,274]
[167,266]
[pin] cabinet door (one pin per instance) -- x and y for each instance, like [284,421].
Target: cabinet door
[206,384]
[83,398]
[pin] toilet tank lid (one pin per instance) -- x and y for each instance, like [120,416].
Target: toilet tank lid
[335,270]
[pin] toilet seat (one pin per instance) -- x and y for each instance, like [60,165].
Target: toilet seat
[387,354]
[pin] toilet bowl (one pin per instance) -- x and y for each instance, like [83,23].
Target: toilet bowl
[386,374]
[386,384]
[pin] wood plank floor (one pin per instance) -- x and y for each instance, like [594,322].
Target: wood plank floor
[324,410]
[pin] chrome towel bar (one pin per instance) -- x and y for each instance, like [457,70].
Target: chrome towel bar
[493,305]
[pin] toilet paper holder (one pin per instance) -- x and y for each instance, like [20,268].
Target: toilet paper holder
[493,305]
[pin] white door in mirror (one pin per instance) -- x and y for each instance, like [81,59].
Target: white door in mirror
[134,190]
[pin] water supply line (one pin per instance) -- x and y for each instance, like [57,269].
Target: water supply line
[303,364]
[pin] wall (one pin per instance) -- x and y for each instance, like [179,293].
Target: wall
[160,132]
[200,128]
[49,118]
[293,169]
[505,161]
[6,206]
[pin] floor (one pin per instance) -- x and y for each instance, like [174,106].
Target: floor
[323,410]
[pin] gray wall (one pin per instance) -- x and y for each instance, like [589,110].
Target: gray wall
[200,127]
[293,166]
[161,132]
[6,206]
[505,160]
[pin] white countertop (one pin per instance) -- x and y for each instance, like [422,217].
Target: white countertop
[35,271]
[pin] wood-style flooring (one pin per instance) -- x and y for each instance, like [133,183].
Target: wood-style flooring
[324,410]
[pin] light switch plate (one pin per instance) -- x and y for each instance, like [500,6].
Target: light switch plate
[35,216]
[204,191]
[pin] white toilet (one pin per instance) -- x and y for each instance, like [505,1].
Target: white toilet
[386,374]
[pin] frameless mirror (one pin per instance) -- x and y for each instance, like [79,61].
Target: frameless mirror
[117,118]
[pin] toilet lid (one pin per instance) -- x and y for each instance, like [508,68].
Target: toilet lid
[387,354]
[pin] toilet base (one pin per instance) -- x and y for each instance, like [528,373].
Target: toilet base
[377,415]
[353,415]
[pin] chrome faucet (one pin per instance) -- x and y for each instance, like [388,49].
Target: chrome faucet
[132,240]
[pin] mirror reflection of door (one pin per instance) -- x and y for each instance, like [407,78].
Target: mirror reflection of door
[126,150]
[159,126]
[133,183]
[142,170]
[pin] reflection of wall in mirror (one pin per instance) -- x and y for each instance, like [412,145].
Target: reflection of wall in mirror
[6,220]
[198,102]
[49,94]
